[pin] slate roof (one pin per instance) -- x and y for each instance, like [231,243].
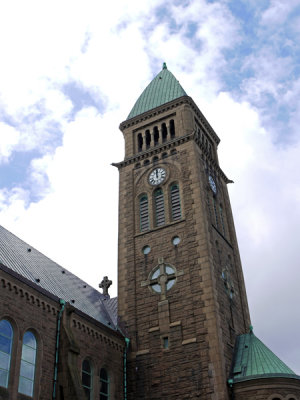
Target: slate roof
[253,360]
[162,89]
[29,263]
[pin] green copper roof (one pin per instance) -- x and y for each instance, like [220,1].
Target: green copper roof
[254,360]
[162,89]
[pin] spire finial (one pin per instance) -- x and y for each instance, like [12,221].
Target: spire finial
[165,66]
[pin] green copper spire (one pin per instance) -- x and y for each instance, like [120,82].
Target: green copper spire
[162,89]
[253,360]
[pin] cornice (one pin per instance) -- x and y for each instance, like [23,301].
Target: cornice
[166,146]
[155,150]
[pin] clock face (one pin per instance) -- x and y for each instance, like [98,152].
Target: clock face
[157,176]
[212,184]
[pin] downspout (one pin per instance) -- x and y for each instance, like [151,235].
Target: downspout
[62,304]
[230,384]
[127,341]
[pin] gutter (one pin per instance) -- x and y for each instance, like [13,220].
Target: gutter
[127,341]
[62,304]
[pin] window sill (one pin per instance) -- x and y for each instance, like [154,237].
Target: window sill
[160,227]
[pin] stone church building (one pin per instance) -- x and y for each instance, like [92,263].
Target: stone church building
[180,327]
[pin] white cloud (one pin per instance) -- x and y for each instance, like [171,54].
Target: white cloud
[278,11]
[9,139]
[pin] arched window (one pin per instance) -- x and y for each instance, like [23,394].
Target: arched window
[86,376]
[148,139]
[140,142]
[172,129]
[6,339]
[164,132]
[175,202]
[144,213]
[28,360]
[155,135]
[104,384]
[159,207]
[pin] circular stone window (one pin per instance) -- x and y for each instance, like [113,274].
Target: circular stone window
[176,240]
[162,278]
[146,250]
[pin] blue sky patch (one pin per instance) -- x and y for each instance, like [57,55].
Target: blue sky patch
[15,173]
[80,97]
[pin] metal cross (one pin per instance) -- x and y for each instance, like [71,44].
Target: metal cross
[105,284]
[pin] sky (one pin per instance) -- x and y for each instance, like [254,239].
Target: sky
[70,73]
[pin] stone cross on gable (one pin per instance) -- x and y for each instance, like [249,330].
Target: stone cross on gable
[105,284]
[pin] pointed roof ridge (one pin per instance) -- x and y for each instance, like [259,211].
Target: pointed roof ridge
[161,90]
[23,260]
[253,360]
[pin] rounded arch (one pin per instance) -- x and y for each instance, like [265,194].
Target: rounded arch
[275,396]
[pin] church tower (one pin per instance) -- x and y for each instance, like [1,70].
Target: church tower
[181,293]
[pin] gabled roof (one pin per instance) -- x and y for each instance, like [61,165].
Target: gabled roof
[162,89]
[253,360]
[27,262]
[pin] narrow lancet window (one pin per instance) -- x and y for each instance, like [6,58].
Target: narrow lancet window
[104,384]
[156,135]
[144,213]
[172,129]
[159,207]
[6,338]
[86,376]
[175,202]
[164,132]
[148,139]
[140,142]
[28,361]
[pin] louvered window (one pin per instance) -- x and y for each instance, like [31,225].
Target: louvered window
[175,202]
[144,213]
[159,207]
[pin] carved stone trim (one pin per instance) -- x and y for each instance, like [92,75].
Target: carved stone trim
[188,341]
[97,335]
[27,296]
